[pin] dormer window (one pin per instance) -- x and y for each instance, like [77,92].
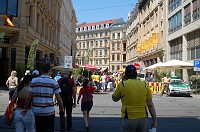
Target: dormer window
[97,26]
[85,28]
[93,27]
[102,26]
[89,28]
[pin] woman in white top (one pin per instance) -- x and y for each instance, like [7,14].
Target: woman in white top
[12,83]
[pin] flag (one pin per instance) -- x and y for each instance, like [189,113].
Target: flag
[32,55]
[8,21]
[9,113]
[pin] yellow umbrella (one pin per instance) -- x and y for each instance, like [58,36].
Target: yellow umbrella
[121,70]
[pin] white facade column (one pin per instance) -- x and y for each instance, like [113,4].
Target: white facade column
[184,57]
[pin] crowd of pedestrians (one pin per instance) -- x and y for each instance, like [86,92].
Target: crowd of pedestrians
[35,105]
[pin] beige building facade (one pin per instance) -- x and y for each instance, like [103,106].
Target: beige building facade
[146,33]
[33,20]
[102,42]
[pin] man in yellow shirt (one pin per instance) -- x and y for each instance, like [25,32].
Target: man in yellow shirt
[135,95]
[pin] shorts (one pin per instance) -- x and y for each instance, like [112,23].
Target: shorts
[86,106]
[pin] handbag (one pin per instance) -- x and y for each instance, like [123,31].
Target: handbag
[8,117]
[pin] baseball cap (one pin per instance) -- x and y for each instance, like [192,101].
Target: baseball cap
[28,72]
[35,72]
[131,68]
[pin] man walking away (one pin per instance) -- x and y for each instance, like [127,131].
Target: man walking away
[135,95]
[42,90]
[68,95]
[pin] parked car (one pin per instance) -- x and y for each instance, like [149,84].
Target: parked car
[141,76]
[178,87]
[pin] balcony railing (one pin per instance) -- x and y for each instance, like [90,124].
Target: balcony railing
[187,19]
[174,29]
[196,14]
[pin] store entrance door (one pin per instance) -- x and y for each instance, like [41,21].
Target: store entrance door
[3,67]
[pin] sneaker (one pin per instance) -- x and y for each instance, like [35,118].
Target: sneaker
[87,128]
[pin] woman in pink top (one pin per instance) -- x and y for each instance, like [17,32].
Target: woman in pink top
[86,101]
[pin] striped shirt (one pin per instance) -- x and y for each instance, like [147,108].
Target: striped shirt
[43,89]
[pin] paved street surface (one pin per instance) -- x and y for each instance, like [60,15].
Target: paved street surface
[175,114]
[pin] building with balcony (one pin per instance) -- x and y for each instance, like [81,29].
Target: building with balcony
[183,31]
[102,41]
[35,19]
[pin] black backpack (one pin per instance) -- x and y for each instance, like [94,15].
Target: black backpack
[66,90]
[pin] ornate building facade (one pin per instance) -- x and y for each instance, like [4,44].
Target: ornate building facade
[35,19]
[103,41]
[146,33]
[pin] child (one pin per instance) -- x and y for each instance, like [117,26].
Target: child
[86,102]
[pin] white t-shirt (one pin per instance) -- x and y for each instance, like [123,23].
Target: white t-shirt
[103,78]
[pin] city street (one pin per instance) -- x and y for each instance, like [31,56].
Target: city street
[175,114]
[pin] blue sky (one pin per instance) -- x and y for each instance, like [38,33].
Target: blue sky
[99,10]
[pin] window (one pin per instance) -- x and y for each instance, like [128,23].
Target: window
[96,53]
[38,23]
[100,62]
[113,57]
[100,43]
[83,44]
[118,57]
[105,52]
[176,49]
[196,10]
[106,34]
[105,61]
[87,44]
[198,53]
[91,44]
[113,36]
[113,68]
[175,22]
[113,46]
[13,58]
[118,67]
[118,35]
[96,43]
[43,27]
[192,54]
[100,34]
[12,7]
[100,52]
[96,62]
[118,45]
[187,14]
[173,4]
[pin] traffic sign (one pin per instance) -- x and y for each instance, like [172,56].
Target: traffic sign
[68,62]
[196,63]
[196,68]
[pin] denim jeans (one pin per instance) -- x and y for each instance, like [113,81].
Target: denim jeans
[24,123]
[134,125]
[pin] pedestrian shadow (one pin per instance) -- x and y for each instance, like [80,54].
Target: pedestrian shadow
[112,124]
